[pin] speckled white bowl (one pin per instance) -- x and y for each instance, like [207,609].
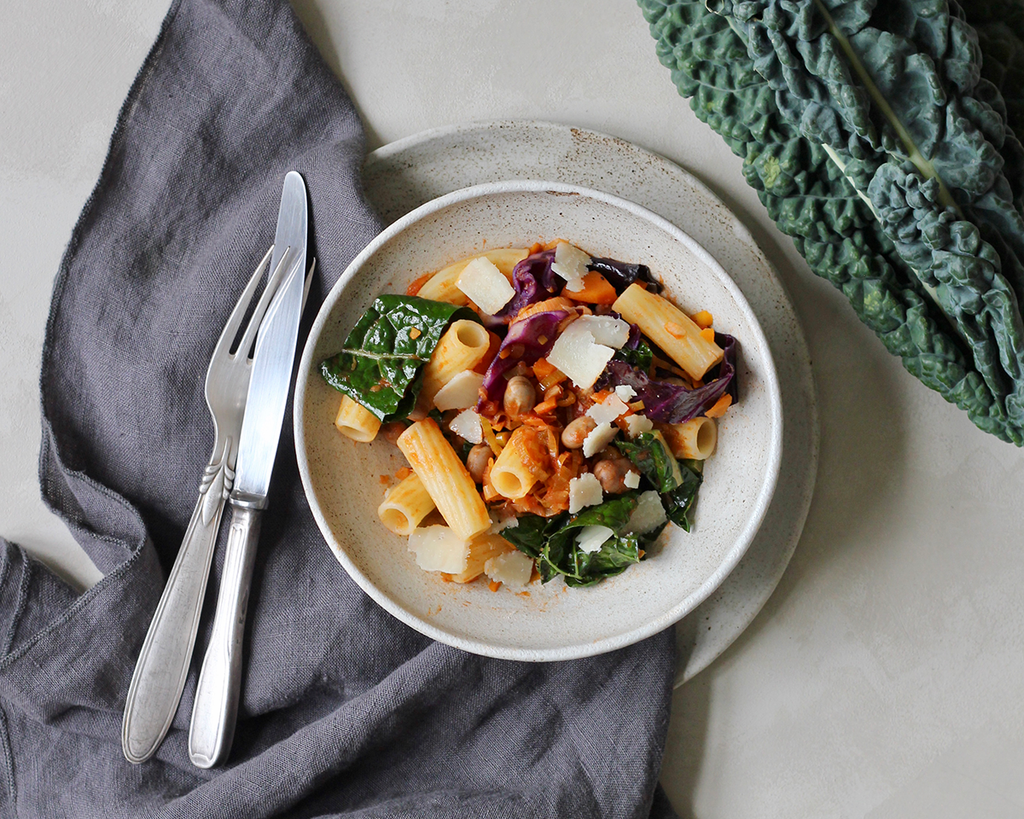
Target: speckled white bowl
[342,479]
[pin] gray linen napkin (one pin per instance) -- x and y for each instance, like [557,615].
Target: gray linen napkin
[345,711]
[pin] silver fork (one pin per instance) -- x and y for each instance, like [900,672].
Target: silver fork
[163,663]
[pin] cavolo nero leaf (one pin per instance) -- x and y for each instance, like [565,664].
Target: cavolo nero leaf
[383,354]
[676,481]
[930,281]
[551,542]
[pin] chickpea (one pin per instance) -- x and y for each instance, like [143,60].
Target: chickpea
[611,472]
[576,431]
[477,460]
[520,396]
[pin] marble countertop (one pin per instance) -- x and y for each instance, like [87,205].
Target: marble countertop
[883,677]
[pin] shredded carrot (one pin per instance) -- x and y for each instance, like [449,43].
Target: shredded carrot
[543,367]
[675,330]
[549,380]
[494,585]
[708,334]
[721,405]
[546,406]
[489,437]
[403,473]
[703,319]
[415,333]
[385,480]
[417,284]
[536,247]
[596,290]
[546,306]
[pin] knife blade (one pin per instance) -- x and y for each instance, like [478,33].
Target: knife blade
[216,704]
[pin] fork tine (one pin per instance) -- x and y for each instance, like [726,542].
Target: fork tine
[261,308]
[235,319]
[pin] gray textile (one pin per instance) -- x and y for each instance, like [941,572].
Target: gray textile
[345,711]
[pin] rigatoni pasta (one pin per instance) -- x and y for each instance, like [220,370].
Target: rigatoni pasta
[443,285]
[405,506]
[445,478]
[355,421]
[670,328]
[461,348]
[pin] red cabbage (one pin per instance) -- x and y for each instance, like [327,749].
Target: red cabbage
[533,281]
[672,403]
[622,274]
[535,336]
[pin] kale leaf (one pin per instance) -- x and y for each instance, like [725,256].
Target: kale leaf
[383,355]
[874,140]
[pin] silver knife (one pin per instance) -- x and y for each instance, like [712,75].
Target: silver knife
[216,705]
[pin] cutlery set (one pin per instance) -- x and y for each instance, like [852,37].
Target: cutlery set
[247,397]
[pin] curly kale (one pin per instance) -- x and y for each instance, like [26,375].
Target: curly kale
[874,140]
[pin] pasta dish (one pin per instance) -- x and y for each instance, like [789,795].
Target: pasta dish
[555,411]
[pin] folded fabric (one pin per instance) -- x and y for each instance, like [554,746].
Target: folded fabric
[345,711]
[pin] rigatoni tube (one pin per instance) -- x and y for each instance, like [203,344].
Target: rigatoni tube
[694,439]
[461,348]
[522,463]
[445,478]
[443,285]
[670,328]
[405,506]
[356,421]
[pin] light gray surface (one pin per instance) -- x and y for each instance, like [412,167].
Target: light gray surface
[883,677]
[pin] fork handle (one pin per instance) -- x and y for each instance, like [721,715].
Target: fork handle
[216,706]
[162,667]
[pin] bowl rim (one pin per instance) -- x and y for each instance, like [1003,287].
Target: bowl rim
[583,648]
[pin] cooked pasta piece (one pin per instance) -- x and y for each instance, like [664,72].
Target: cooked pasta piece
[482,549]
[463,344]
[522,462]
[670,328]
[405,506]
[695,439]
[356,421]
[445,478]
[443,285]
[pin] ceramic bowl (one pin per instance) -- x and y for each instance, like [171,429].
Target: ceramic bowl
[344,480]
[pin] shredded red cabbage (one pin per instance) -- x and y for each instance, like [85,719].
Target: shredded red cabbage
[673,403]
[533,281]
[622,274]
[534,336]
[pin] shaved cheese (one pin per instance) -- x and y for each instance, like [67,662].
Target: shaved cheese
[584,491]
[635,424]
[632,480]
[462,392]
[576,354]
[485,285]
[599,437]
[439,549]
[571,264]
[625,392]
[592,538]
[511,568]
[607,330]
[608,410]
[649,514]
[467,425]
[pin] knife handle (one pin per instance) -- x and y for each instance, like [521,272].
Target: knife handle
[162,667]
[217,694]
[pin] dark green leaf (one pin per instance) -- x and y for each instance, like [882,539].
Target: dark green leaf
[651,455]
[680,501]
[385,351]
[640,356]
